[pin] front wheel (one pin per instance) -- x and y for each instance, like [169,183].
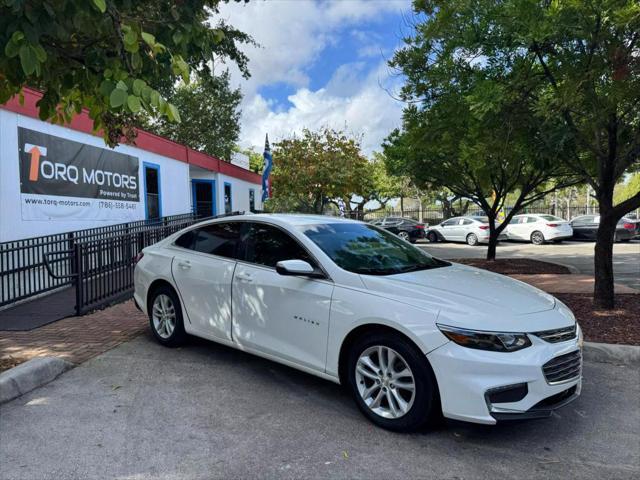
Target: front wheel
[432,237]
[392,382]
[537,238]
[472,239]
[165,317]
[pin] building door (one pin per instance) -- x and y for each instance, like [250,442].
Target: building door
[204,198]
[228,205]
[153,200]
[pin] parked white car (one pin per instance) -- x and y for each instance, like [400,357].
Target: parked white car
[412,336]
[472,229]
[538,228]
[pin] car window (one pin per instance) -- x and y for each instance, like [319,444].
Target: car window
[218,239]
[466,221]
[186,239]
[268,245]
[583,220]
[452,221]
[364,249]
[517,220]
[532,219]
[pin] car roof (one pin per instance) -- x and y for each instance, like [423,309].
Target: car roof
[285,219]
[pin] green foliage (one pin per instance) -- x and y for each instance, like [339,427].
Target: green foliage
[115,57]
[317,167]
[628,189]
[576,64]
[210,114]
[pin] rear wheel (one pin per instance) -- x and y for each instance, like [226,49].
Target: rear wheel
[165,317]
[472,239]
[392,382]
[404,236]
[537,238]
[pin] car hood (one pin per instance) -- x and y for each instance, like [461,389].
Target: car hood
[467,293]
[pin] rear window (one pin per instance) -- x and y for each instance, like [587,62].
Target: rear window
[551,218]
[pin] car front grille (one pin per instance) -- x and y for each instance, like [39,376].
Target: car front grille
[563,368]
[558,335]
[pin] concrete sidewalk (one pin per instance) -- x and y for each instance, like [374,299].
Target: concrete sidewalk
[571,283]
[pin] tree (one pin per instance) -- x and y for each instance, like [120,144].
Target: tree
[479,153]
[312,169]
[628,189]
[210,113]
[115,57]
[573,61]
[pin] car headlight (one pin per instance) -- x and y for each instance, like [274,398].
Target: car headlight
[493,341]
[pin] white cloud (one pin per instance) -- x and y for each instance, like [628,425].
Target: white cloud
[369,111]
[292,35]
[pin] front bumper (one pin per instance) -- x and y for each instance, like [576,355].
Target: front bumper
[466,377]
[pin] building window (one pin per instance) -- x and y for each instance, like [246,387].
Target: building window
[252,200]
[152,191]
[227,198]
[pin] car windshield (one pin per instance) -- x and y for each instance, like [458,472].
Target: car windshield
[361,248]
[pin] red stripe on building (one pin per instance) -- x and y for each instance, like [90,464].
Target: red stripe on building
[144,140]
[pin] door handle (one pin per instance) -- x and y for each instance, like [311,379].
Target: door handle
[186,264]
[244,277]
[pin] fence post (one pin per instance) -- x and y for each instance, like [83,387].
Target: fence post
[79,277]
[73,267]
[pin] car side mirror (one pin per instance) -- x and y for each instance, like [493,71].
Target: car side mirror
[298,268]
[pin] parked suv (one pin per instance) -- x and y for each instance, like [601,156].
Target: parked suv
[538,229]
[406,228]
[473,230]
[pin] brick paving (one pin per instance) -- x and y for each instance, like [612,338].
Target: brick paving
[75,339]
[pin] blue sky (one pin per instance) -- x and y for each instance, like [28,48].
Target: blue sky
[320,63]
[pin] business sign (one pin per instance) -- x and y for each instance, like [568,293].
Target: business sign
[240,159]
[65,180]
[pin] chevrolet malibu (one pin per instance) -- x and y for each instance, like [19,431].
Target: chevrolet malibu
[411,336]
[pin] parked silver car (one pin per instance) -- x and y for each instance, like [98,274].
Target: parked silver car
[472,229]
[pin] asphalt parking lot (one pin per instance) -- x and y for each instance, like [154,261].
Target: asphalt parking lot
[626,256]
[142,411]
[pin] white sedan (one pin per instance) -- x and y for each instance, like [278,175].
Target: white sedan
[538,229]
[413,337]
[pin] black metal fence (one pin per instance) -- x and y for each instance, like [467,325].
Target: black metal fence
[34,266]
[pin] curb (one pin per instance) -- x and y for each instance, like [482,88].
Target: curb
[611,353]
[30,375]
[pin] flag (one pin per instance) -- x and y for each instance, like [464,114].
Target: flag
[268,163]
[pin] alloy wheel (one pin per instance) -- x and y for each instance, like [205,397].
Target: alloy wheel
[472,239]
[403,235]
[385,382]
[537,238]
[164,316]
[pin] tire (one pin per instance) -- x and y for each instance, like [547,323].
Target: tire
[404,236]
[421,406]
[167,332]
[472,239]
[537,238]
[432,237]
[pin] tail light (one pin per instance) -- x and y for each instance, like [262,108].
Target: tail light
[484,227]
[552,225]
[420,226]
[138,258]
[628,226]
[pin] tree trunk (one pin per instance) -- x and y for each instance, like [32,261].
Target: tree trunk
[401,206]
[493,239]
[603,292]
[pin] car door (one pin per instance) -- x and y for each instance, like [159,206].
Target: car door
[284,316]
[584,227]
[448,228]
[515,228]
[203,268]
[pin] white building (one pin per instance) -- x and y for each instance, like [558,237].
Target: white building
[62,178]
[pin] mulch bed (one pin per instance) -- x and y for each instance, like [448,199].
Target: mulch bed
[10,362]
[621,325]
[510,266]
